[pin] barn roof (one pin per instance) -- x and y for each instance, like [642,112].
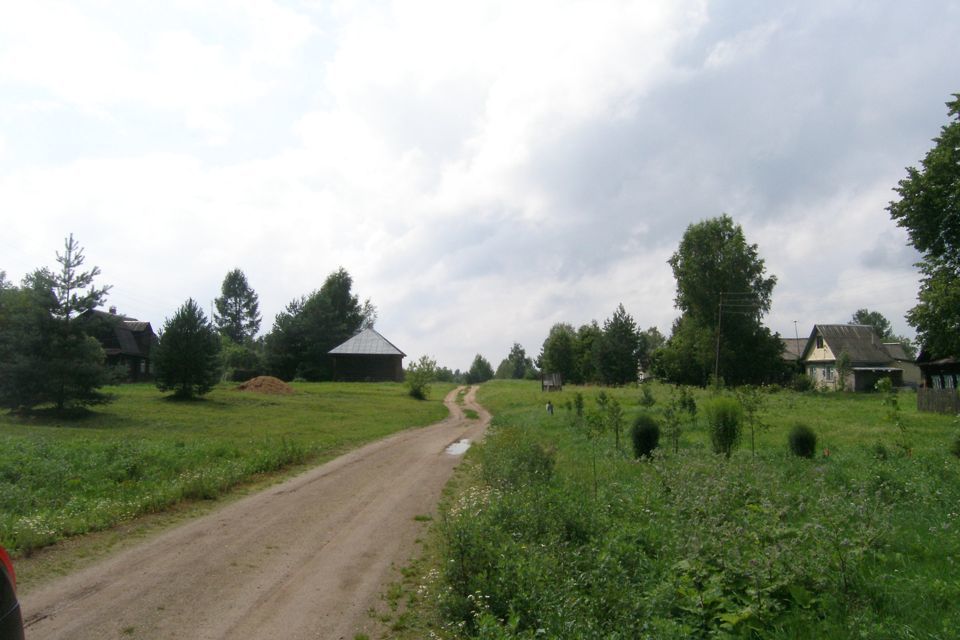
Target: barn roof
[367,343]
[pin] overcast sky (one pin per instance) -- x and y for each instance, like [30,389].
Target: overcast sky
[482,169]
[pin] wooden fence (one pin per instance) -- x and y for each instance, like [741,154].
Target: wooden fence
[938,400]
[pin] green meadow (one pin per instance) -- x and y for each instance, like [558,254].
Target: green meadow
[552,531]
[145,453]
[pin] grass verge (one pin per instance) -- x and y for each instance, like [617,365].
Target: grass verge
[553,531]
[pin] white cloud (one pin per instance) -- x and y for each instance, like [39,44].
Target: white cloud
[482,169]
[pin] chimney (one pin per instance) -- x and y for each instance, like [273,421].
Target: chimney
[113,311]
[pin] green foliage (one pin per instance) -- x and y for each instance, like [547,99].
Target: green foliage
[648,342]
[480,370]
[646,397]
[752,400]
[419,375]
[240,362]
[725,423]
[929,210]
[955,446]
[692,545]
[309,327]
[645,435]
[46,356]
[722,291]
[588,336]
[844,368]
[187,357]
[891,403]
[802,382]
[802,441]
[516,366]
[615,351]
[238,309]
[557,354]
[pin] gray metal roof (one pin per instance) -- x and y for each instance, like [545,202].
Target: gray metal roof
[861,343]
[367,343]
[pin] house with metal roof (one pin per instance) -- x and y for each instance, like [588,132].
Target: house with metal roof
[868,357]
[367,357]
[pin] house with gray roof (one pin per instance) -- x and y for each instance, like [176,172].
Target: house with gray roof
[367,357]
[869,359]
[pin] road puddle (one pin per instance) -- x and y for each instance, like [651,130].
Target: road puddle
[458,448]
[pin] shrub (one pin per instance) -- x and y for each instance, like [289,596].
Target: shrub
[645,434]
[802,382]
[802,440]
[646,397]
[418,376]
[725,423]
[955,447]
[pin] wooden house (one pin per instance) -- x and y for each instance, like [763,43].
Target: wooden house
[940,383]
[367,357]
[128,342]
[869,360]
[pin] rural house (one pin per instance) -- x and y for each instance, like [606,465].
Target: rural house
[869,359]
[367,357]
[126,341]
[940,383]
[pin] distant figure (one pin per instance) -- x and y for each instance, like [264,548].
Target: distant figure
[549,407]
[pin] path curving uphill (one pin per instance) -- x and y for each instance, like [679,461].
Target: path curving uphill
[304,559]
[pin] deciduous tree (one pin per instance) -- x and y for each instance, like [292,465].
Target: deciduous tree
[723,292]
[929,209]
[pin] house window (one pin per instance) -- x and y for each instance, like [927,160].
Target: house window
[948,382]
[819,342]
[828,373]
[937,382]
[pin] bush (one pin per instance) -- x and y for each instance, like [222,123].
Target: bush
[725,423]
[955,447]
[802,382]
[645,434]
[802,440]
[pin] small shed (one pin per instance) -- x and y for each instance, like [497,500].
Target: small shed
[367,357]
[940,385]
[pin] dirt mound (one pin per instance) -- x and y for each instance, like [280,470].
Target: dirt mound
[266,384]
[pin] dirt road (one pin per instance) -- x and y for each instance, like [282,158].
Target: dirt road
[304,559]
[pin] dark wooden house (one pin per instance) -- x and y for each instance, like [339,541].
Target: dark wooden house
[367,357]
[940,383]
[128,342]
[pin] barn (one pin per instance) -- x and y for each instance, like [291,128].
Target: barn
[367,357]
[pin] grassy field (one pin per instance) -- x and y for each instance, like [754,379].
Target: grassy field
[144,453]
[554,532]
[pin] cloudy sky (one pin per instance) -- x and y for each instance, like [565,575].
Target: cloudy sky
[483,169]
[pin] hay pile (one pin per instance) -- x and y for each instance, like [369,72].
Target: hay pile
[266,384]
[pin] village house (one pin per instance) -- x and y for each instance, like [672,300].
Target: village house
[128,342]
[869,359]
[367,357]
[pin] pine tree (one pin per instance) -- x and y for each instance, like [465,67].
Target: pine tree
[187,359]
[47,357]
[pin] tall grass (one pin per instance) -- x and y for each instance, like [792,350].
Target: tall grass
[144,453]
[694,544]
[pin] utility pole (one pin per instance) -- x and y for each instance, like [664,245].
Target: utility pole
[716,364]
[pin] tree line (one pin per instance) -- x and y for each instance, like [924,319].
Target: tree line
[50,354]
